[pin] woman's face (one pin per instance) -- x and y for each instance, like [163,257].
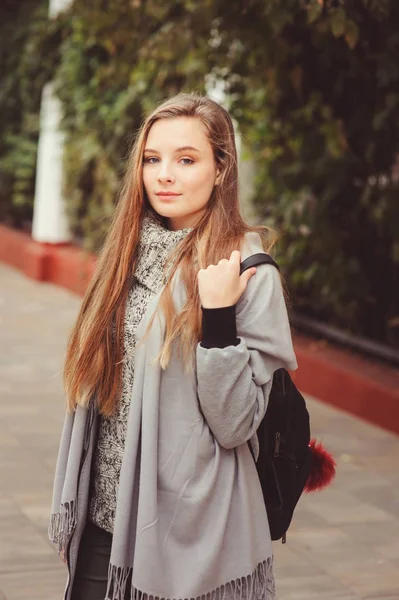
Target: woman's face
[178,160]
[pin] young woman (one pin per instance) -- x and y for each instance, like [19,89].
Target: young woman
[167,376]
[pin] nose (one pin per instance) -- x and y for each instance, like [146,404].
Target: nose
[165,174]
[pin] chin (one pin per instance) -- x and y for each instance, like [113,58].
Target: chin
[165,211]
[168,210]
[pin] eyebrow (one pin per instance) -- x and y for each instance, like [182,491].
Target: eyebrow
[190,148]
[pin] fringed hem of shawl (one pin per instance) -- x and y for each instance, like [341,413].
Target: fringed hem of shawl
[62,525]
[259,585]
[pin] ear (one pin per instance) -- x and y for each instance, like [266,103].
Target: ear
[218,176]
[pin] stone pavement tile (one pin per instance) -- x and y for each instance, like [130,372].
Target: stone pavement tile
[384,496]
[16,411]
[384,582]
[21,471]
[395,562]
[346,441]
[377,533]
[306,516]
[22,544]
[36,506]
[38,437]
[351,514]
[357,479]
[369,485]
[8,441]
[337,506]
[41,442]
[334,495]
[315,587]
[379,596]
[298,576]
[290,564]
[50,463]
[359,568]
[385,463]
[349,560]
[316,538]
[8,508]
[287,555]
[389,550]
[47,583]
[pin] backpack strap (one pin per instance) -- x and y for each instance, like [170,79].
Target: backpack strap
[257,259]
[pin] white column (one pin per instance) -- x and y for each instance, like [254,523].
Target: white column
[57,6]
[215,90]
[49,219]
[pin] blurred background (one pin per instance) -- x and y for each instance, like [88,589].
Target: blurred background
[313,87]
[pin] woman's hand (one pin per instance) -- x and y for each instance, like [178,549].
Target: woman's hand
[222,285]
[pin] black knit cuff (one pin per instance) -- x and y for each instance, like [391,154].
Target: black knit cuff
[219,327]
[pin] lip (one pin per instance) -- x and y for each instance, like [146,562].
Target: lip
[167,194]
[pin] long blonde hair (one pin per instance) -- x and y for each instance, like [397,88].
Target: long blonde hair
[93,364]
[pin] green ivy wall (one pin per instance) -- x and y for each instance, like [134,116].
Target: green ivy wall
[313,86]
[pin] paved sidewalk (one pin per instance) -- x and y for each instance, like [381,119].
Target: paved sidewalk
[343,545]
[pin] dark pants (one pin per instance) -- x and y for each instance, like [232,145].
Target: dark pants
[90,582]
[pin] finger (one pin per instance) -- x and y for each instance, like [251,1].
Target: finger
[236,256]
[246,276]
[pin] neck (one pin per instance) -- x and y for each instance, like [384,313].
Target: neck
[184,222]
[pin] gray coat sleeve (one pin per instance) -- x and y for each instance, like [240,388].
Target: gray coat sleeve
[233,383]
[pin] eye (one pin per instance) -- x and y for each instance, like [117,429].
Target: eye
[151,160]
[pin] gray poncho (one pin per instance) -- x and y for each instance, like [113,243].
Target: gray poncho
[197,527]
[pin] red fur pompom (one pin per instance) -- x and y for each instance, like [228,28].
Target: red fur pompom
[322,469]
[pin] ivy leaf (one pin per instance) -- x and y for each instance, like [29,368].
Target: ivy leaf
[338,22]
[314,12]
[352,34]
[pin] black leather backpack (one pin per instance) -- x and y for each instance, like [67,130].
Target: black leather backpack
[289,461]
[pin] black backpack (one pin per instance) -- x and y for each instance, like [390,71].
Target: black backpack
[285,454]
